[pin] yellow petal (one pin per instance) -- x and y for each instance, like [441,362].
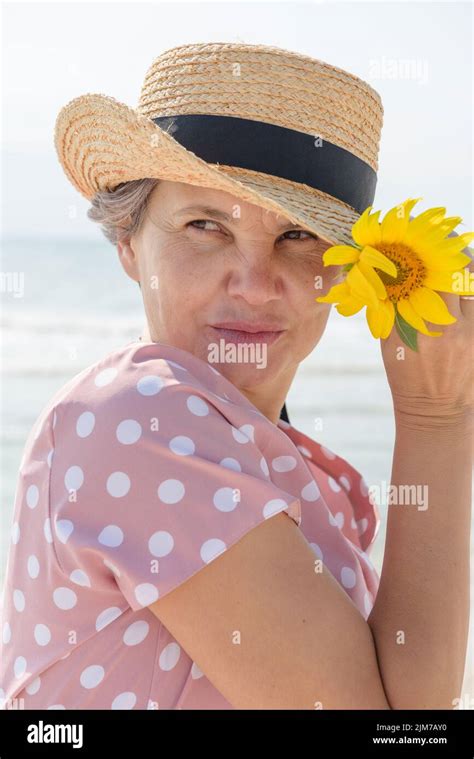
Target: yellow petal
[374,280]
[456,243]
[438,261]
[447,282]
[429,305]
[389,309]
[335,294]
[375,320]
[361,287]
[437,233]
[378,260]
[395,223]
[340,254]
[410,316]
[367,228]
[350,307]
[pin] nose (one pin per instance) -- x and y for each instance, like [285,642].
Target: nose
[257,279]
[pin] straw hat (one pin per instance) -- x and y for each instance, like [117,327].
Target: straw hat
[281,130]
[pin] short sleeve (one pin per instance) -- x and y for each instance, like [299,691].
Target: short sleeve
[154,486]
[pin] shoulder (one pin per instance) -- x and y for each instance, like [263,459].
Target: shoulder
[141,377]
[156,392]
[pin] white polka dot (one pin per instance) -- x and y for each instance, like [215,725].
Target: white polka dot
[197,406]
[333,485]
[182,445]
[64,598]
[106,617]
[118,484]
[80,578]
[345,482]
[367,603]
[304,451]
[136,633]
[244,433]
[362,525]
[338,520]
[230,463]
[47,530]
[19,666]
[85,424]
[348,577]
[49,457]
[34,686]
[169,657]
[32,496]
[92,676]
[224,499]
[171,491]
[326,452]
[6,633]
[161,543]
[19,600]
[264,466]
[284,463]
[146,593]
[274,506]
[56,706]
[33,566]
[126,700]
[111,536]
[42,635]
[128,431]
[196,673]
[212,548]
[317,550]
[150,385]
[105,377]
[74,478]
[15,533]
[111,566]
[311,492]
[64,528]
[284,424]
[363,487]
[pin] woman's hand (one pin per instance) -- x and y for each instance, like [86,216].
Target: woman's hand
[437,382]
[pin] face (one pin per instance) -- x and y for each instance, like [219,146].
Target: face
[234,262]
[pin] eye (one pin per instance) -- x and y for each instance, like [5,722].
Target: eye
[202,221]
[299,232]
[310,235]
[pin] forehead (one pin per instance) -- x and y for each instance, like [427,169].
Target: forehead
[179,198]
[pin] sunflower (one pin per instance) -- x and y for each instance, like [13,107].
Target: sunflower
[396,267]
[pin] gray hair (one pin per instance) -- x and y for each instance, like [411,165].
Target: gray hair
[121,211]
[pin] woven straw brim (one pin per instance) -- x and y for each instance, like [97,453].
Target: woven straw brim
[101,142]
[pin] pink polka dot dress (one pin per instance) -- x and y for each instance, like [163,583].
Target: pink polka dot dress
[140,471]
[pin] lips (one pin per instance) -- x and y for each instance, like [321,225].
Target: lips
[242,336]
[252,327]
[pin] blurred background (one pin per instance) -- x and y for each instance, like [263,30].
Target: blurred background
[76,304]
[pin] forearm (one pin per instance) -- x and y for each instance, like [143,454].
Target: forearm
[420,618]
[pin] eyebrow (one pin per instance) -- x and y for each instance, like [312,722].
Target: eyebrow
[218,214]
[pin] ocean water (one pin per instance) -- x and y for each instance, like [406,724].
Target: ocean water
[76,304]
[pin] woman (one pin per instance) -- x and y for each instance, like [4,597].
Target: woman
[173,536]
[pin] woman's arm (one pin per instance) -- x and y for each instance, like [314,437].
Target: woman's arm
[420,617]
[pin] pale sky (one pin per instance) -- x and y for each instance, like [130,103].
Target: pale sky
[53,52]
